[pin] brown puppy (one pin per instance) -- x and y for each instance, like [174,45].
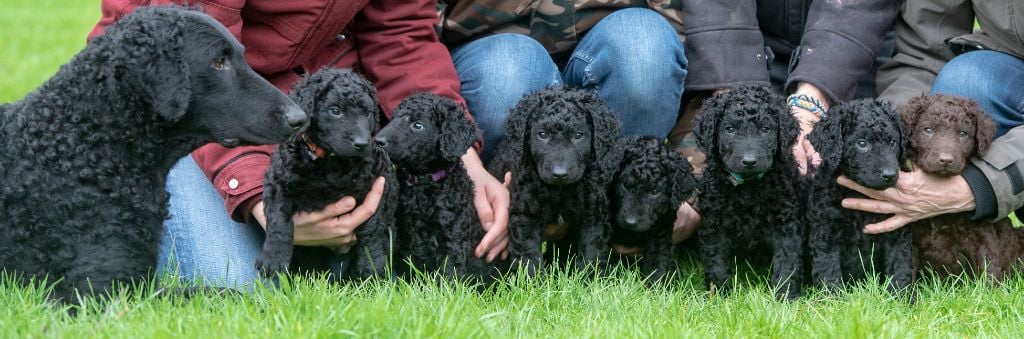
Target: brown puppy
[944,133]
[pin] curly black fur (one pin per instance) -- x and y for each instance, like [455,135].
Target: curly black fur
[439,228]
[85,155]
[560,147]
[944,132]
[748,189]
[862,140]
[343,112]
[651,183]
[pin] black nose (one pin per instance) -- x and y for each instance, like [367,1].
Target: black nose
[381,141]
[888,175]
[294,116]
[749,160]
[359,144]
[559,172]
[631,221]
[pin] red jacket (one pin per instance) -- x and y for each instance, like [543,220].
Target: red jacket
[392,43]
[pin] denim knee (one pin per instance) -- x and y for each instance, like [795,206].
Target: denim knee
[496,71]
[984,76]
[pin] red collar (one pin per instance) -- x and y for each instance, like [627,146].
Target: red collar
[315,151]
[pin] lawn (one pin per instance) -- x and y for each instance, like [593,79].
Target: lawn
[39,35]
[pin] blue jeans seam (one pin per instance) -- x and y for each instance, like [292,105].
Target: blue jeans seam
[588,70]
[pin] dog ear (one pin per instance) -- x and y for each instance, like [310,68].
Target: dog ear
[152,41]
[985,127]
[706,124]
[309,91]
[605,129]
[902,132]
[910,114]
[683,180]
[789,127]
[457,131]
[512,149]
[827,137]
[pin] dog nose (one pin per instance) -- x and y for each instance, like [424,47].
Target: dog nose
[559,172]
[888,175]
[630,220]
[381,141]
[946,159]
[294,116]
[749,160]
[359,144]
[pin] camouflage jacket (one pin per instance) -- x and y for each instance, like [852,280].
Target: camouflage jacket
[556,24]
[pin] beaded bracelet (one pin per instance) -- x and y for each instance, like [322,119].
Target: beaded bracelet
[808,103]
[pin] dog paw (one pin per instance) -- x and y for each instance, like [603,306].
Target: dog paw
[271,267]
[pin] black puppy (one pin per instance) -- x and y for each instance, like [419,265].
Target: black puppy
[862,140]
[331,158]
[748,199]
[439,229]
[651,184]
[84,157]
[560,147]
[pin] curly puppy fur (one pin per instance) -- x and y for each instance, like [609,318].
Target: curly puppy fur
[560,146]
[862,140]
[439,229]
[748,189]
[651,183]
[86,154]
[343,112]
[944,133]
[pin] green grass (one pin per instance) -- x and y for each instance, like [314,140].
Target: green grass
[37,36]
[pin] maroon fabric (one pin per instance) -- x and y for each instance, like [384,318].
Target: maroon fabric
[392,42]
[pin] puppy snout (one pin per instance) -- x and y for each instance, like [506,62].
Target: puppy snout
[381,141]
[749,160]
[945,159]
[630,220]
[360,143]
[560,172]
[889,175]
[294,116]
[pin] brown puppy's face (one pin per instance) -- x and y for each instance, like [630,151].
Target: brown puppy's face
[945,132]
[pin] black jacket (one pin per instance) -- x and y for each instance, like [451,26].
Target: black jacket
[830,43]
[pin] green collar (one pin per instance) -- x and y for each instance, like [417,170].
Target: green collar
[736,179]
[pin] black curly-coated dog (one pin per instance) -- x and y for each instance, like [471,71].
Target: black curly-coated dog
[748,190]
[560,147]
[863,140]
[331,158]
[651,183]
[438,225]
[943,133]
[86,154]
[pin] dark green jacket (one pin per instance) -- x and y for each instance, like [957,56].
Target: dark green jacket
[556,24]
[923,32]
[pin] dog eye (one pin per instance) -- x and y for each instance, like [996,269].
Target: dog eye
[334,110]
[416,125]
[730,129]
[862,144]
[542,135]
[765,129]
[220,64]
[578,136]
[963,134]
[655,193]
[892,143]
[928,130]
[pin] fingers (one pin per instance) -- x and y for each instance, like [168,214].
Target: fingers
[874,194]
[343,206]
[800,158]
[873,206]
[888,225]
[501,249]
[483,209]
[362,213]
[490,243]
[814,159]
[508,179]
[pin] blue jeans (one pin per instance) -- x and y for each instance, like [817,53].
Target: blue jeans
[632,58]
[200,243]
[993,79]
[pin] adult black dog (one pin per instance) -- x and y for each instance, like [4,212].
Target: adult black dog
[748,191]
[862,140]
[85,155]
[560,147]
[439,227]
[651,183]
[331,158]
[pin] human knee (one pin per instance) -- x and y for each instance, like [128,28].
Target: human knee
[638,35]
[504,60]
[969,75]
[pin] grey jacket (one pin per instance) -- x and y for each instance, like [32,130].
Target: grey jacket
[924,31]
[829,43]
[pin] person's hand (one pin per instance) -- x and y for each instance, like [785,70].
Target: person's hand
[334,226]
[917,196]
[803,152]
[491,199]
